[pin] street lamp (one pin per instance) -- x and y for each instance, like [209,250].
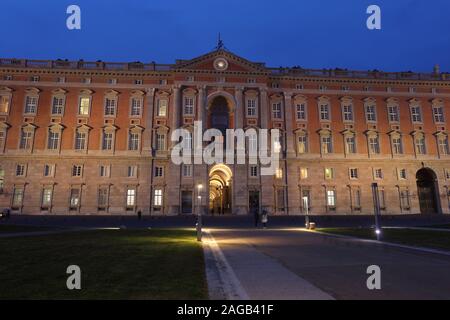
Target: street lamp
[199,213]
[376,204]
[306,209]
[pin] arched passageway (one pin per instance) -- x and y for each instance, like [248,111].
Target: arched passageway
[428,191]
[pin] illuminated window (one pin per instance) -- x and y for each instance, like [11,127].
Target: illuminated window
[157,197]
[302,144]
[162,108]
[279,173]
[328,173]
[4,104]
[18,195]
[331,198]
[74,197]
[131,197]
[47,194]
[303,173]
[83,108]
[350,144]
[326,145]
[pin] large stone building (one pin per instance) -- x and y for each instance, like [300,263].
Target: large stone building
[94,137]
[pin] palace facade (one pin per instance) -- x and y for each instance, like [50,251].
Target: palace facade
[94,137]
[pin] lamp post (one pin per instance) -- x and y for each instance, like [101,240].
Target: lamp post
[376,203]
[306,208]
[199,213]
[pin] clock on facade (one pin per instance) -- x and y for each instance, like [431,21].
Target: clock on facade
[221,64]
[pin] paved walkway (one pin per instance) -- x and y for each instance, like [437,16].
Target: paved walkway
[290,264]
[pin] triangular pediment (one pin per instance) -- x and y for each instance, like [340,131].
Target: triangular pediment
[210,62]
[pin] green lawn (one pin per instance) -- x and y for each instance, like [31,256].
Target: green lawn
[422,238]
[115,264]
[6,228]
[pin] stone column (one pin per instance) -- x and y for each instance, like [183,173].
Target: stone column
[267,190]
[147,138]
[238,111]
[201,174]
[174,172]
[240,173]
[264,109]
[291,170]
[290,151]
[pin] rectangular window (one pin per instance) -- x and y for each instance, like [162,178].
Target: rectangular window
[57,105]
[374,145]
[31,104]
[357,199]
[302,144]
[18,197]
[104,171]
[324,112]
[303,173]
[378,174]
[402,174]
[80,140]
[47,193]
[276,110]
[162,108]
[107,141]
[253,171]
[49,170]
[404,199]
[53,140]
[133,141]
[443,145]
[416,114]
[4,104]
[331,198]
[2,140]
[132,171]
[251,107]
[347,112]
[420,145]
[157,197]
[21,170]
[438,114]
[159,171]
[110,107]
[188,106]
[350,144]
[279,173]
[353,172]
[326,144]
[328,173]
[397,147]
[187,170]
[131,197]
[25,140]
[102,197]
[83,108]
[136,107]
[301,111]
[371,113]
[393,114]
[75,198]
[160,142]
[77,171]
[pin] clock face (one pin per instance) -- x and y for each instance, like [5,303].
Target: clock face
[221,64]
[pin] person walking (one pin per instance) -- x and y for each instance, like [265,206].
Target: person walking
[139,213]
[264,218]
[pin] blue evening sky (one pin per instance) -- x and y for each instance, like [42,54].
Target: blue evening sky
[415,34]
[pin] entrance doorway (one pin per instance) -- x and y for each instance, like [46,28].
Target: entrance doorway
[253,201]
[428,191]
[220,177]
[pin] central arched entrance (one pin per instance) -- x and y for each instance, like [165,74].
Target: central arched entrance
[220,177]
[428,191]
